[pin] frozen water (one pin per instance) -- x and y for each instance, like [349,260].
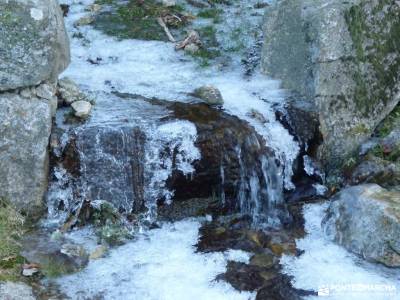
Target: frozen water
[159,265]
[155,69]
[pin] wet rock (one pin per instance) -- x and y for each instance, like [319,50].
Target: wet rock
[268,282]
[46,91]
[87,20]
[255,114]
[231,232]
[263,260]
[16,291]
[220,139]
[306,191]
[300,117]
[209,94]
[113,233]
[191,48]
[244,277]
[94,8]
[99,252]
[64,9]
[375,170]
[26,58]
[54,256]
[281,288]
[76,252]
[28,270]
[178,210]
[230,154]
[81,108]
[365,219]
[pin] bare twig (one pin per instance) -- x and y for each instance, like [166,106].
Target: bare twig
[167,32]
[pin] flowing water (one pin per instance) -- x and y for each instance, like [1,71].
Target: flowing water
[124,135]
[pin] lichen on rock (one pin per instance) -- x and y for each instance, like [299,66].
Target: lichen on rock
[344,57]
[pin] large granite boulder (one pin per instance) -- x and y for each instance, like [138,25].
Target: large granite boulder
[34,46]
[34,50]
[344,57]
[25,126]
[365,219]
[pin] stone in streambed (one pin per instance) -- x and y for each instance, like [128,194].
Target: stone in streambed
[99,252]
[365,219]
[81,108]
[209,94]
[69,91]
[54,256]
[191,48]
[87,20]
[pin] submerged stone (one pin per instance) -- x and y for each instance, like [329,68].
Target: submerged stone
[209,94]
[81,108]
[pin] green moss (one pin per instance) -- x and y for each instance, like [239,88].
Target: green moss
[393,155]
[390,122]
[135,20]
[11,231]
[360,129]
[53,268]
[375,83]
[113,233]
[211,13]
[210,48]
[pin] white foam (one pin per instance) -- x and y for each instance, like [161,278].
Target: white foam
[160,265]
[325,264]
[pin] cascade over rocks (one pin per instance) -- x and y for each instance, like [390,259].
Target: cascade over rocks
[234,170]
[344,57]
[34,50]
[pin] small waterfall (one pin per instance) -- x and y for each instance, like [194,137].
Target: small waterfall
[260,191]
[137,162]
[124,161]
[128,154]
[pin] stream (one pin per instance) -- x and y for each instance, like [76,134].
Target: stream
[162,263]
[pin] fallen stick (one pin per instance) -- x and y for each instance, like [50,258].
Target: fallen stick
[167,32]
